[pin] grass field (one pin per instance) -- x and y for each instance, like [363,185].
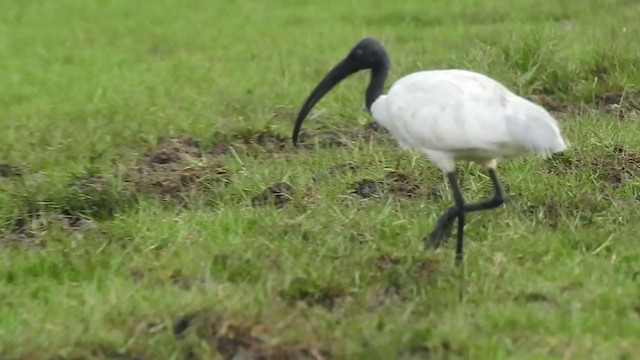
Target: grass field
[136,141]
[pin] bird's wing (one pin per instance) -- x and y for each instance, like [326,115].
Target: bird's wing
[449,111]
[455,110]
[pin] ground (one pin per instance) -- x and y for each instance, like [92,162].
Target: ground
[152,206]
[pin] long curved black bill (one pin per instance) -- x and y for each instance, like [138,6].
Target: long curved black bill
[337,74]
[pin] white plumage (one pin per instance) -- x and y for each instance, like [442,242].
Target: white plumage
[454,115]
[448,115]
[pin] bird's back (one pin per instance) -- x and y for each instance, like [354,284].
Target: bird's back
[466,113]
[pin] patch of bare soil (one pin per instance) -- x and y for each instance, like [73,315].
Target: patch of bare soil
[395,183]
[618,166]
[29,231]
[615,167]
[266,140]
[327,138]
[560,163]
[338,169]
[367,188]
[312,293]
[234,340]
[253,142]
[324,138]
[8,170]
[622,104]
[278,194]
[175,166]
[534,297]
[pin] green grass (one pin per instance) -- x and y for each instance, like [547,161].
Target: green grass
[97,264]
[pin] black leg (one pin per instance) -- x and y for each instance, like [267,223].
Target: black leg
[445,222]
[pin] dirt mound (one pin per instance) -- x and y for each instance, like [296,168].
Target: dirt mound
[622,104]
[367,188]
[247,141]
[394,183]
[534,297]
[233,340]
[324,138]
[175,166]
[28,231]
[616,167]
[8,170]
[334,170]
[327,138]
[267,140]
[278,194]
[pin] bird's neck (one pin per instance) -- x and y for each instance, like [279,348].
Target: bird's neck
[378,77]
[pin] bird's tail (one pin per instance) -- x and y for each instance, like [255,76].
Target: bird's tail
[537,130]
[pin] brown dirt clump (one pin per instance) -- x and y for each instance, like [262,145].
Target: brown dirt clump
[372,128]
[312,293]
[334,170]
[29,231]
[324,138]
[8,170]
[395,183]
[534,297]
[266,140]
[615,167]
[175,166]
[172,150]
[367,188]
[278,194]
[622,104]
[618,166]
[327,138]
[248,141]
[560,163]
[402,184]
[233,340]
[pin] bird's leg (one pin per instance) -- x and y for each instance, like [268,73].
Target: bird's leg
[460,210]
[445,223]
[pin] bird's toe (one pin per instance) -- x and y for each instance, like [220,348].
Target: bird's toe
[438,235]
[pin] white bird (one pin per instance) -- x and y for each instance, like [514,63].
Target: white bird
[447,115]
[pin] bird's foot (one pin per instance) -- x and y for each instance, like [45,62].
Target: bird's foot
[441,233]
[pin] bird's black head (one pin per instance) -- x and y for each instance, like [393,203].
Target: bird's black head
[368,53]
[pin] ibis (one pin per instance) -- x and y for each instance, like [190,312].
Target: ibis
[447,115]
